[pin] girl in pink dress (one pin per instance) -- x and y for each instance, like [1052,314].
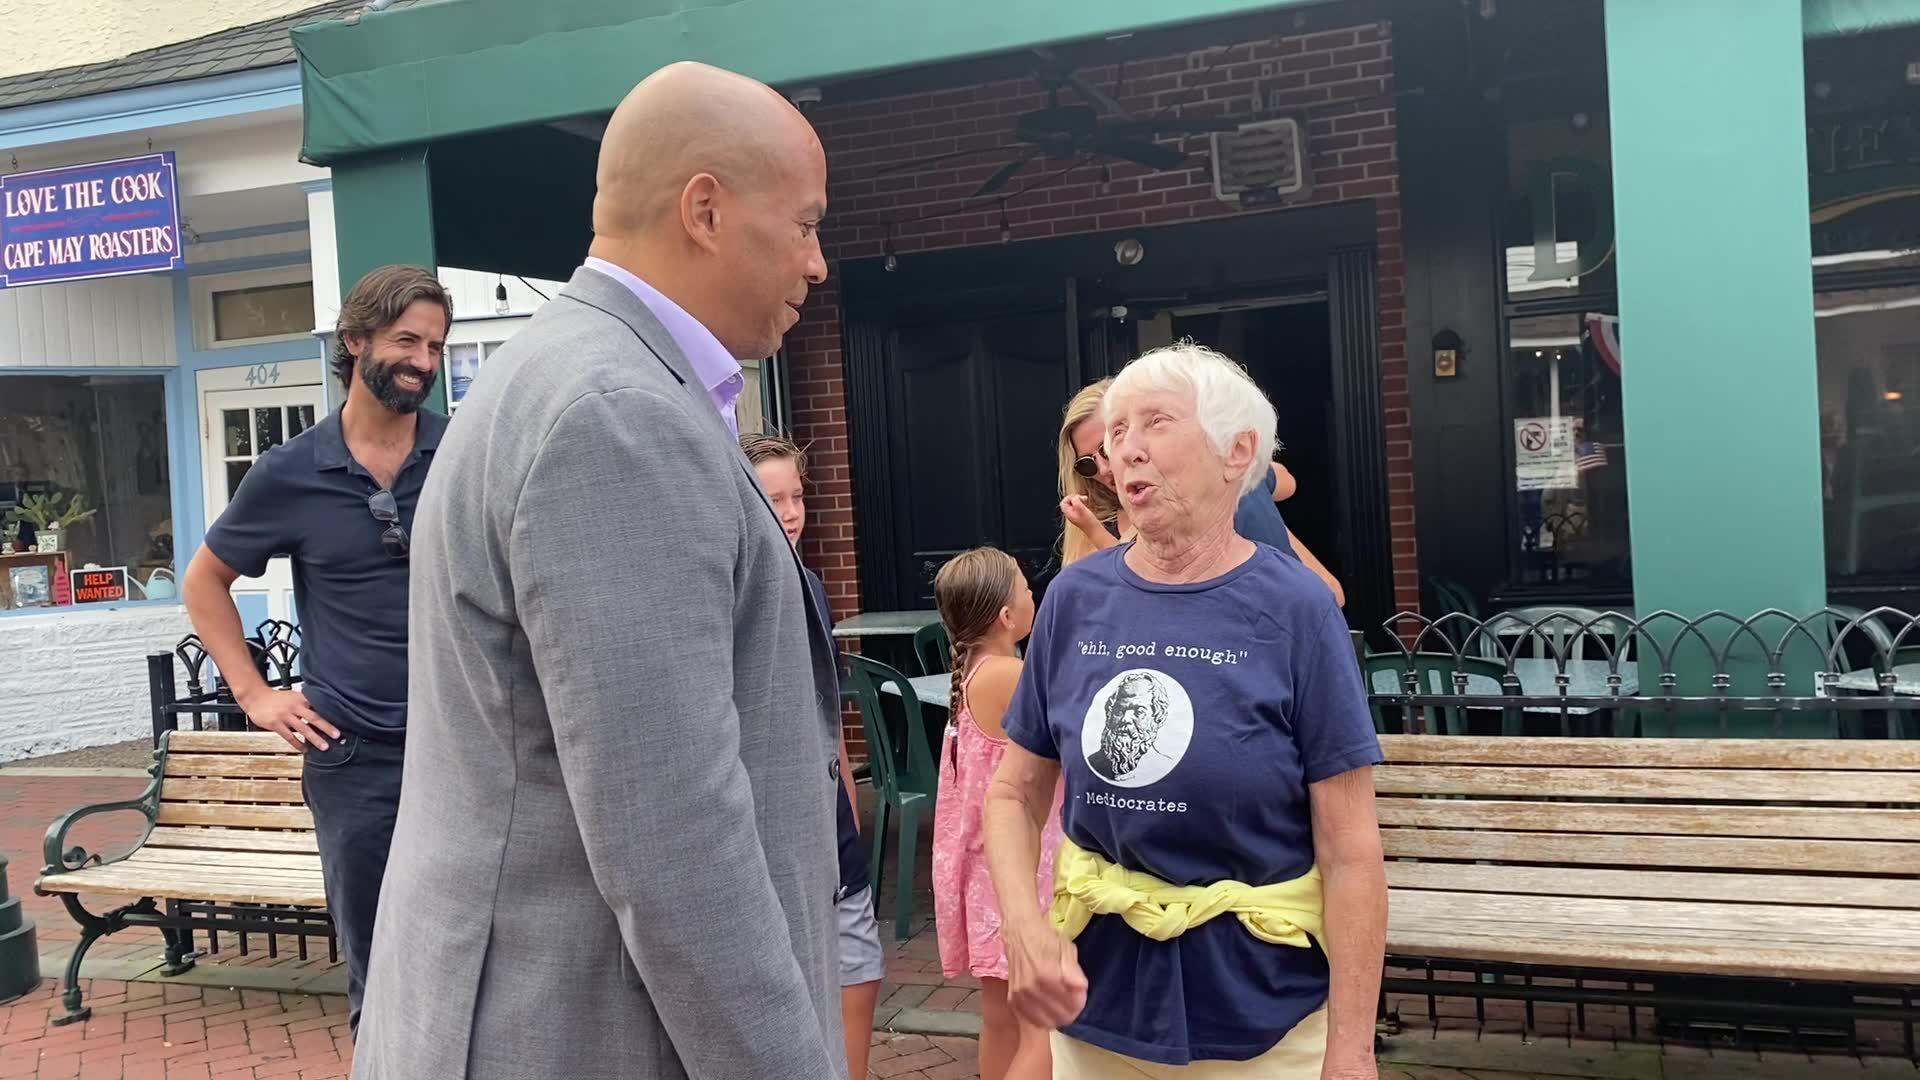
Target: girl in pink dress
[988,610]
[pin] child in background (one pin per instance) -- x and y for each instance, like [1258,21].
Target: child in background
[988,610]
[782,468]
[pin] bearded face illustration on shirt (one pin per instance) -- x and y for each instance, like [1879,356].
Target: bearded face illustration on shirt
[1135,713]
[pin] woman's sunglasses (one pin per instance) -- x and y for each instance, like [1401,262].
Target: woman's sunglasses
[1087,465]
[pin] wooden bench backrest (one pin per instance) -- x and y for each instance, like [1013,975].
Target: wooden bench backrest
[232,791]
[1720,819]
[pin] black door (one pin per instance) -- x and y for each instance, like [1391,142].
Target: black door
[975,406]
[1288,350]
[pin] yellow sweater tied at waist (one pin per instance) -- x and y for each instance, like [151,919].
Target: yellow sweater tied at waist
[1086,884]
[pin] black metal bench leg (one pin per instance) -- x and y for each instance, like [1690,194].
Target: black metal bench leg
[180,954]
[92,928]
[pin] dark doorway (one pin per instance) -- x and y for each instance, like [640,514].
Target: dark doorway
[1287,347]
[973,461]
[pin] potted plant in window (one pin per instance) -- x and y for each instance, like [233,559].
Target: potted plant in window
[50,516]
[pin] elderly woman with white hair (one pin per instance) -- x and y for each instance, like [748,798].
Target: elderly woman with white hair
[1220,901]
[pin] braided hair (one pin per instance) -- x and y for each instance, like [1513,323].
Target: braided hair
[971,590]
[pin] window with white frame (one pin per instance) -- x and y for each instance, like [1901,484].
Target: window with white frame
[253,307]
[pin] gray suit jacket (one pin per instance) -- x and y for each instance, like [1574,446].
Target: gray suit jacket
[615,853]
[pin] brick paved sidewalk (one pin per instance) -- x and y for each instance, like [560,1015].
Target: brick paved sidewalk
[152,1031]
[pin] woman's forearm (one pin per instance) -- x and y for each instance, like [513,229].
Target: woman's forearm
[1353,882]
[1355,894]
[1013,855]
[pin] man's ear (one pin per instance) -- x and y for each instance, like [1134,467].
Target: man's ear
[700,211]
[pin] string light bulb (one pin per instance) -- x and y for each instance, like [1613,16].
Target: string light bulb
[1006,230]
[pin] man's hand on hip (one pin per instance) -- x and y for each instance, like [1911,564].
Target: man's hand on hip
[287,714]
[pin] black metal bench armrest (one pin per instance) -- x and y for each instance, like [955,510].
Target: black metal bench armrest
[77,858]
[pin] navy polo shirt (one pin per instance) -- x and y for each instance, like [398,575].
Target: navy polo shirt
[853,853]
[307,499]
[1257,518]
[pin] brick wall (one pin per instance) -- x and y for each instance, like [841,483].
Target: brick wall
[1341,79]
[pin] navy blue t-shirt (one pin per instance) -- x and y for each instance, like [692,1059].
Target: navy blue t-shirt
[307,498]
[853,854]
[1188,721]
[1257,517]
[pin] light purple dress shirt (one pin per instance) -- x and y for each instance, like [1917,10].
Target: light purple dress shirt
[719,373]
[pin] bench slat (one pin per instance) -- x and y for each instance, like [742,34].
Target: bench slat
[285,766]
[193,878]
[1453,938]
[1809,822]
[1876,755]
[265,817]
[1761,925]
[248,860]
[121,880]
[1750,785]
[1729,853]
[1860,892]
[229,742]
[232,840]
[189,789]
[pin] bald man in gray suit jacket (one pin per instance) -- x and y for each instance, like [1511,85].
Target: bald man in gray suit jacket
[615,851]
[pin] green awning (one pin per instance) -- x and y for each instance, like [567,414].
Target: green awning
[411,75]
[1832,18]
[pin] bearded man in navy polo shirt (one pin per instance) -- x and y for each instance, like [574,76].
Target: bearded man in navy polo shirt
[338,500]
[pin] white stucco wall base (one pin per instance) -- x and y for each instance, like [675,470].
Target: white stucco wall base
[73,679]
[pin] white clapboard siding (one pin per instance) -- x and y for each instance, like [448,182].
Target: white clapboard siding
[108,322]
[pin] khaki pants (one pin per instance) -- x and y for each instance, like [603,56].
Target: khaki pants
[1297,1057]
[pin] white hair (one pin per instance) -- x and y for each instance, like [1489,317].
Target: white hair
[1226,400]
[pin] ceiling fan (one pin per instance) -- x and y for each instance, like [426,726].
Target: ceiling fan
[1062,131]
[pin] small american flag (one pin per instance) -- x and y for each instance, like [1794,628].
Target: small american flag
[1589,455]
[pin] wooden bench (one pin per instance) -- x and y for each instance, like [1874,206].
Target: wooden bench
[1778,859]
[228,846]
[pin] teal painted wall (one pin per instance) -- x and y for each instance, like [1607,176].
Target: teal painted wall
[1716,304]
[383,213]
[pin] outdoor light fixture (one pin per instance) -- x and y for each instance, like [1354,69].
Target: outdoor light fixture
[1129,252]
[500,306]
[1447,348]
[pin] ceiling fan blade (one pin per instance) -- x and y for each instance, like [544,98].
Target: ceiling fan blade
[1150,126]
[999,179]
[1096,95]
[1152,155]
[925,162]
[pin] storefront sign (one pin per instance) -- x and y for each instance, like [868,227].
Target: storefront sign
[97,586]
[1863,172]
[86,221]
[1544,453]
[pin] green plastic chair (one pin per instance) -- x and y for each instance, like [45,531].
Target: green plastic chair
[905,779]
[933,649]
[1435,672]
